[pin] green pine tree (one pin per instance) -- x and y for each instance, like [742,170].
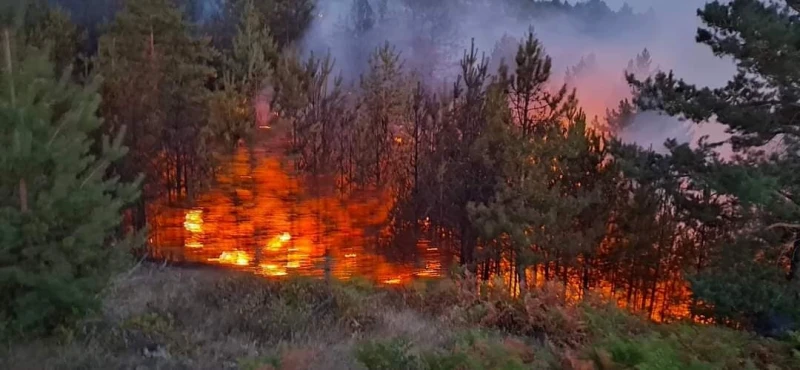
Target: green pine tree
[249,67]
[546,162]
[46,27]
[759,107]
[254,54]
[60,207]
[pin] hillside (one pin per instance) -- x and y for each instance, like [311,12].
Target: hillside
[160,317]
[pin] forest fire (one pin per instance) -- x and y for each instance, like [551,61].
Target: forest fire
[194,225]
[233,225]
[239,258]
[493,184]
[383,190]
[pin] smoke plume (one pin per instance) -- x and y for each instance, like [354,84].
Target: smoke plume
[432,36]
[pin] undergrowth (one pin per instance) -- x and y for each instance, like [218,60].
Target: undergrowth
[592,333]
[174,319]
[473,350]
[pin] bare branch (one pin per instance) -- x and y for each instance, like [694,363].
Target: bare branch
[783,225]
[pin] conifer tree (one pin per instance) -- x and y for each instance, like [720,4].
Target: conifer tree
[254,54]
[50,26]
[249,66]
[60,208]
[156,73]
[384,98]
[287,20]
[362,17]
[759,106]
[546,163]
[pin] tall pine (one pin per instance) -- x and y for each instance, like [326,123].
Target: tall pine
[756,276]
[59,208]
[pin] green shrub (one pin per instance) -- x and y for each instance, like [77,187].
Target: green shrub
[387,355]
[58,209]
[652,353]
[268,362]
[271,311]
[472,350]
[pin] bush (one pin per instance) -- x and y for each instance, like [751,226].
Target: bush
[543,313]
[473,350]
[58,209]
[634,343]
[750,295]
[270,311]
[387,355]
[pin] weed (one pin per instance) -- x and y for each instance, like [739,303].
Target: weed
[387,355]
[260,363]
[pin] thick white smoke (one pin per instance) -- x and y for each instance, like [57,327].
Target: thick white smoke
[432,36]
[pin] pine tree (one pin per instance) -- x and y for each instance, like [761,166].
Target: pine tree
[60,208]
[647,248]
[362,17]
[51,27]
[156,73]
[249,66]
[384,99]
[621,117]
[254,54]
[759,106]
[45,27]
[546,163]
[641,66]
[287,20]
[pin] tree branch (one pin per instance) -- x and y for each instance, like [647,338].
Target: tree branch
[783,225]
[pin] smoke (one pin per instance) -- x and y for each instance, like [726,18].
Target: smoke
[431,37]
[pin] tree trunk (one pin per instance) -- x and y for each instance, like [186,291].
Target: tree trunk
[794,265]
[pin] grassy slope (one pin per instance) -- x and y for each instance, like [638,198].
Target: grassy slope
[165,318]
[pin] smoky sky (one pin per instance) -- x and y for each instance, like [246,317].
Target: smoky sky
[432,39]
[431,36]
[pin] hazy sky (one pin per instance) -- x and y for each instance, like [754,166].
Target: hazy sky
[643,5]
[670,39]
[688,59]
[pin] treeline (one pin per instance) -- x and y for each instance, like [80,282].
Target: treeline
[501,167]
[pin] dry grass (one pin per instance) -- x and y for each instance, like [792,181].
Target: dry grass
[170,318]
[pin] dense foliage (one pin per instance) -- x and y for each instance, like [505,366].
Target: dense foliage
[60,209]
[750,273]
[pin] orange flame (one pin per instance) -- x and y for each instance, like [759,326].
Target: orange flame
[236,257]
